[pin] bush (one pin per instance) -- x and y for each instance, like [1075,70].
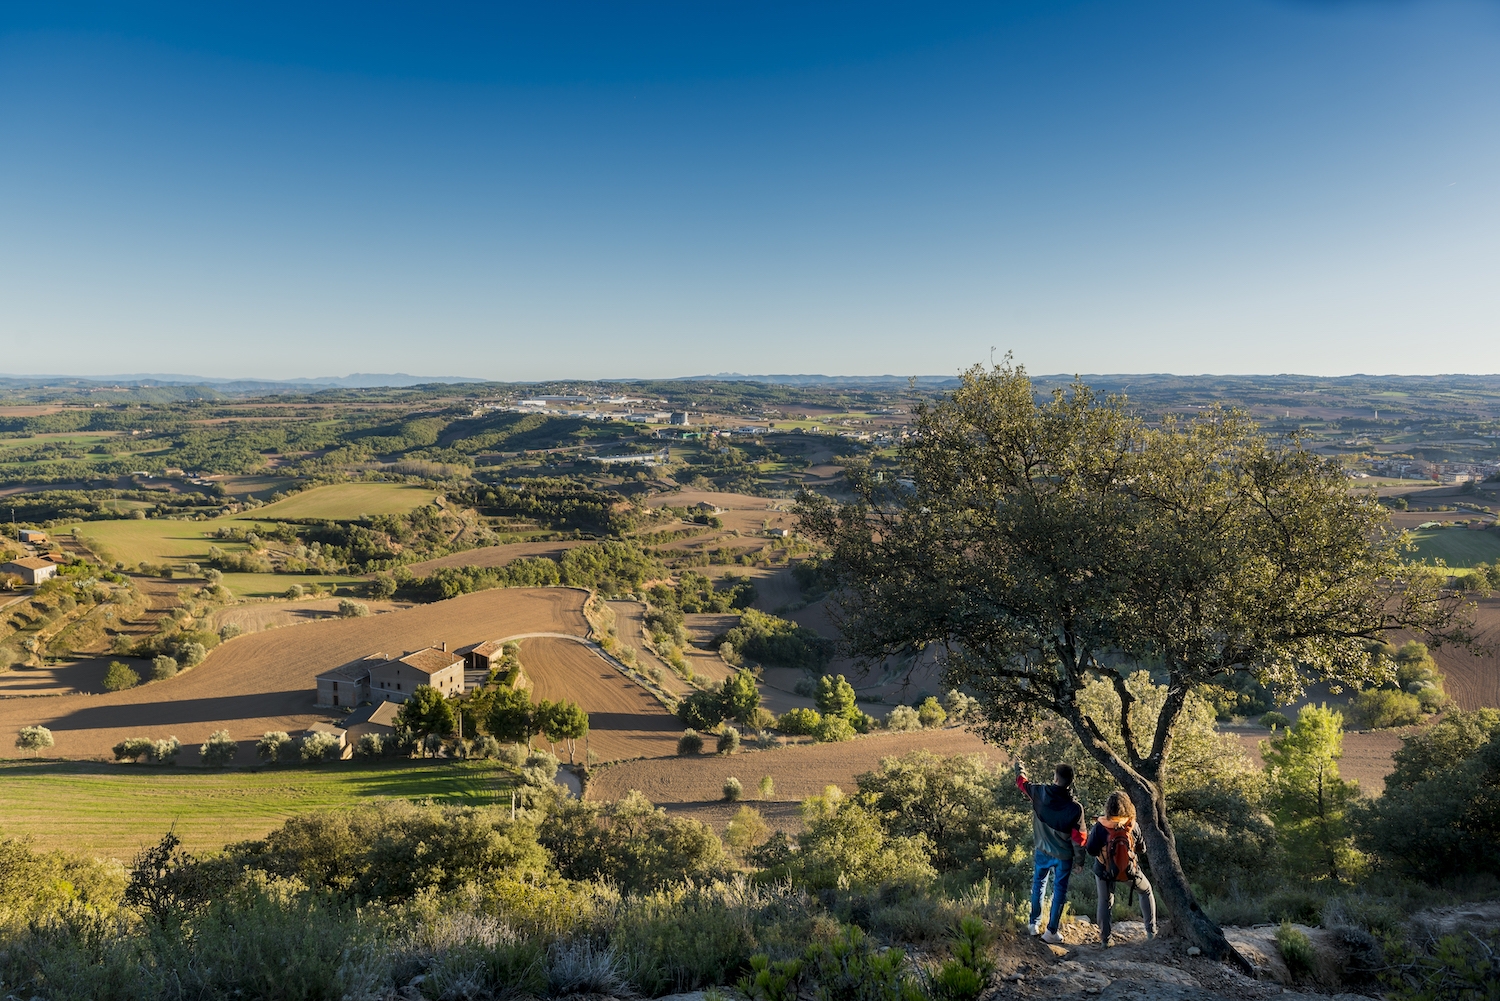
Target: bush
[486,747]
[320,746]
[799,722]
[931,713]
[192,654]
[777,641]
[370,746]
[733,789]
[219,750]
[833,729]
[967,974]
[229,631]
[767,787]
[691,742]
[1381,708]
[352,609]
[164,752]
[294,592]
[33,739]
[902,719]
[163,667]
[120,677]
[1274,720]
[729,740]
[701,710]
[274,746]
[1296,949]
[132,748]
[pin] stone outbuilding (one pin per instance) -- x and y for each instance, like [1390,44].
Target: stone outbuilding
[31,569]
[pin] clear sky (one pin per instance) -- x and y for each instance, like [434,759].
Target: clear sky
[561,189]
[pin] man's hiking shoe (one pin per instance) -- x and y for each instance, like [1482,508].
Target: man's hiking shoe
[1052,938]
[1104,944]
[1035,927]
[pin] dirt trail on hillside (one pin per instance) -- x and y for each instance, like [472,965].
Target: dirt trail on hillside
[266,681]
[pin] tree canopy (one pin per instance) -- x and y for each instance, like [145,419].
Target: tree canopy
[1042,544]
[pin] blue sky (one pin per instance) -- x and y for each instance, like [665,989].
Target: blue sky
[637,189]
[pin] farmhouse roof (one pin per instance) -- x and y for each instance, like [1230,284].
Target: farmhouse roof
[485,649]
[31,563]
[355,670]
[430,660]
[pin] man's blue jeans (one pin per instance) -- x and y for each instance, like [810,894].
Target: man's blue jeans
[1061,870]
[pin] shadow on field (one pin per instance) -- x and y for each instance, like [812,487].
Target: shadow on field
[655,723]
[145,714]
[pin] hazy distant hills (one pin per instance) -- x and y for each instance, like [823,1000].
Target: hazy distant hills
[356,381]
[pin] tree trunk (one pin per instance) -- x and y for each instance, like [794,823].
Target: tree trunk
[1167,877]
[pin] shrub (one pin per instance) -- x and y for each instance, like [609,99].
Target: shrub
[691,742]
[931,713]
[274,746]
[132,748]
[352,609]
[1296,949]
[702,710]
[799,722]
[487,747]
[163,667]
[229,631]
[960,706]
[370,746]
[767,787]
[835,696]
[729,740]
[967,974]
[320,746]
[164,752]
[833,729]
[294,592]
[733,789]
[902,719]
[120,677]
[1274,720]
[777,641]
[192,654]
[219,750]
[1381,708]
[34,739]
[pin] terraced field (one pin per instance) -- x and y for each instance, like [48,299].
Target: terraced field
[625,720]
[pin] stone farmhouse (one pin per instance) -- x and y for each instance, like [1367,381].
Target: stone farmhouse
[31,569]
[380,679]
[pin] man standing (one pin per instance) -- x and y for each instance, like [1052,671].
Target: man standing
[1055,829]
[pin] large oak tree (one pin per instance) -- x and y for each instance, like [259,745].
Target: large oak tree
[1043,543]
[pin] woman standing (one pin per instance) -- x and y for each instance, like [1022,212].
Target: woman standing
[1115,845]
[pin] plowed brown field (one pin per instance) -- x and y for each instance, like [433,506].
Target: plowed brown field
[494,556]
[1473,679]
[265,681]
[798,771]
[625,720]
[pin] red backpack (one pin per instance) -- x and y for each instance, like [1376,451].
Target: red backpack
[1117,858]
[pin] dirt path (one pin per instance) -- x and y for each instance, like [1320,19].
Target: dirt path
[266,681]
[630,629]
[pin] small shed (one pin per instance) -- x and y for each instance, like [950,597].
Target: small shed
[32,536]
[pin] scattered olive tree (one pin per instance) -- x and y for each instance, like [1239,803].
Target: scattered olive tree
[34,739]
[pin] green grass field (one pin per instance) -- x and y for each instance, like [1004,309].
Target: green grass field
[1456,547]
[113,810]
[161,540]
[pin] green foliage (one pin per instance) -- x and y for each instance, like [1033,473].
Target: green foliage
[510,718]
[728,741]
[845,843]
[630,843]
[320,746]
[426,713]
[1274,720]
[835,696]
[779,642]
[120,676]
[833,729]
[1439,818]
[1296,949]
[1449,968]
[903,719]
[274,746]
[799,722]
[732,789]
[701,710]
[132,748]
[559,721]
[609,567]
[965,976]
[851,968]
[219,750]
[696,593]
[449,582]
[1381,708]
[394,850]
[352,609]
[33,739]
[163,667]
[771,981]
[1307,797]
[691,742]
[931,713]
[740,696]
